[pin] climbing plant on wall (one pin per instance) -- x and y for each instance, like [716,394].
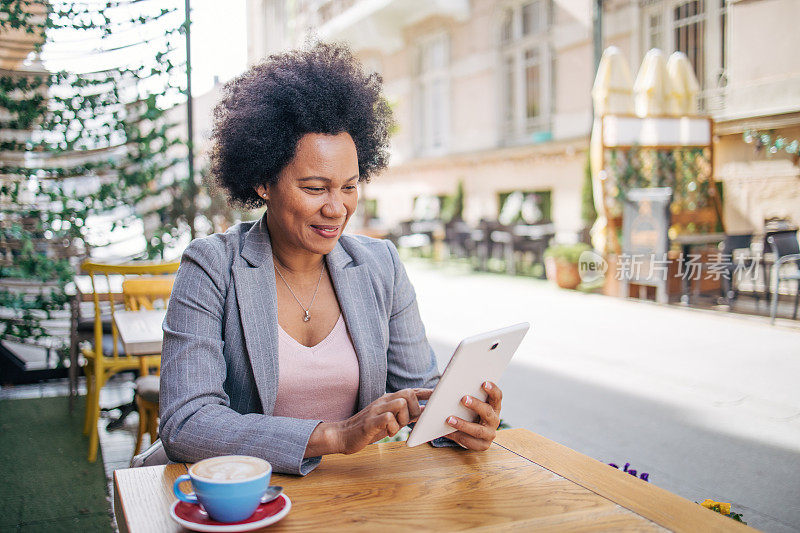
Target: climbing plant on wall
[686,171]
[772,144]
[82,145]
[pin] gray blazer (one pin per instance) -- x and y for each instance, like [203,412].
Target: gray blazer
[219,365]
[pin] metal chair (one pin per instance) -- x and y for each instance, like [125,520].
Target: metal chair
[104,357]
[495,240]
[532,240]
[787,250]
[730,266]
[458,238]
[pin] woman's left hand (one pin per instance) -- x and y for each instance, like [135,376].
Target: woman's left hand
[478,435]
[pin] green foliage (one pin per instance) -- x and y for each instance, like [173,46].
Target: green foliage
[771,143]
[723,509]
[626,167]
[569,253]
[687,171]
[453,206]
[108,128]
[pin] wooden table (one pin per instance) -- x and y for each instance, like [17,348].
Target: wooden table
[140,331]
[523,482]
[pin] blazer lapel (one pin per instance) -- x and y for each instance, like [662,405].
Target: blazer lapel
[258,311]
[359,307]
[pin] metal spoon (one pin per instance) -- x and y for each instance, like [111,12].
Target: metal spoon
[273,491]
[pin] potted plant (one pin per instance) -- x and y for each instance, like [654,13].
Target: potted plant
[561,264]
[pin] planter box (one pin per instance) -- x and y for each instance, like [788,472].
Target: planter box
[563,273]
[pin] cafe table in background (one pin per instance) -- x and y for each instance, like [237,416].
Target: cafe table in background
[523,482]
[140,331]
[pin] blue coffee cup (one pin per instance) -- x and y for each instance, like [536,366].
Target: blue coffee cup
[230,488]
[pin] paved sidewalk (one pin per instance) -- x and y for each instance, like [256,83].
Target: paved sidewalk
[707,403]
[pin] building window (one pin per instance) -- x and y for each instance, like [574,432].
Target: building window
[510,91]
[526,70]
[533,84]
[688,25]
[655,36]
[533,17]
[525,207]
[432,102]
[507,27]
[723,22]
[698,29]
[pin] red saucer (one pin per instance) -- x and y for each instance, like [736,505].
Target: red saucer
[192,516]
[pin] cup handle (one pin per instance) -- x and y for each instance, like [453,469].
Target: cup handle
[182,496]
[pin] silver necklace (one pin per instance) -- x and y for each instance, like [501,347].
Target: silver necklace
[307,316]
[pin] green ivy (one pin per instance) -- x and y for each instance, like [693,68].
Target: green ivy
[42,220]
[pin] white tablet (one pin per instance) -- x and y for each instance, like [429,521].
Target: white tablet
[477,359]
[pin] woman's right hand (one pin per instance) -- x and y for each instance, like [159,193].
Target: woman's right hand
[382,418]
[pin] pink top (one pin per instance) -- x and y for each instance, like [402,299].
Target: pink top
[317,382]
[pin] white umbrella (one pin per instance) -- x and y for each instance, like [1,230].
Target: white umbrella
[426,207]
[613,85]
[612,94]
[652,85]
[511,208]
[529,211]
[682,97]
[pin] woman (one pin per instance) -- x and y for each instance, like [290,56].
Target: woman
[285,339]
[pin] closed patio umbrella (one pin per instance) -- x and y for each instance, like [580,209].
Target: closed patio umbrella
[426,207]
[682,97]
[612,94]
[652,85]
[613,85]
[511,208]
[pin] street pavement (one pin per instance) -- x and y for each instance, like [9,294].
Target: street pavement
[707,403]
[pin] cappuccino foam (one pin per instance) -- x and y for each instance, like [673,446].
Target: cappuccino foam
[230,468]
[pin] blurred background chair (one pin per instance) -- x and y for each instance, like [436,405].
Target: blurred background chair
[458,239]
[530,243]
[736,256]
[786,249]
[104,355]
[773,226]
[147,293]
[491,240]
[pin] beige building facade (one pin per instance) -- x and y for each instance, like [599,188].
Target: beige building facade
[496,94]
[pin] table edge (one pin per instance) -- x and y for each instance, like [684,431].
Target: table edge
[119,510]
[649,501]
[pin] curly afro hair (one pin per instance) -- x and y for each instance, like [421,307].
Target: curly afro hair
[264,112]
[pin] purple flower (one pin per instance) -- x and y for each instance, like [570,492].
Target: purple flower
[644,476]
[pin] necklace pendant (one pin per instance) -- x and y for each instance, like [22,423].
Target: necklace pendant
[307,317]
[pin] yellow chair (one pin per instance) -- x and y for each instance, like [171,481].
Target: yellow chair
[145,294]
[103,362]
